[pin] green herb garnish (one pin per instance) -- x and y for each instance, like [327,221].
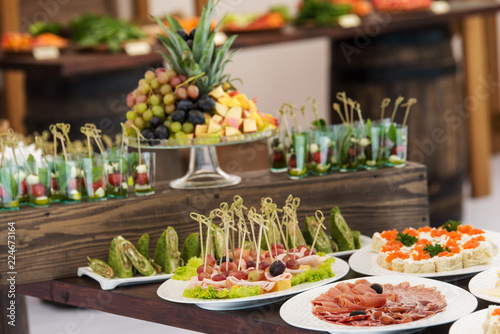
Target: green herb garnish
[406,239]
[451,225]
[435,249]
[315,274]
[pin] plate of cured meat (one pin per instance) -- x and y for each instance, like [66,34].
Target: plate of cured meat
[378,304]
[172,290]
[433,254]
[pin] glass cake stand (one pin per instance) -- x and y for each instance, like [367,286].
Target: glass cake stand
[204,171]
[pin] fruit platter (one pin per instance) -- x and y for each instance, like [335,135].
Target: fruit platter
[194,104]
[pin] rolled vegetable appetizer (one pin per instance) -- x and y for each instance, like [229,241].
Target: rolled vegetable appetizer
[143,245]
[101,268]
[219,241]
[323,242]
[167,250]
[117,259]
[299,238]
[273,234]
[340,231]
[191,247]
[139,262]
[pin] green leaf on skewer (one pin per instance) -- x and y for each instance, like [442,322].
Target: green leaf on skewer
[64,176]
[320,124]
[8,182]
[31,163]
[44,176]
[96,174]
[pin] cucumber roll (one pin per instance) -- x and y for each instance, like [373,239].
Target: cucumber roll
[191,247]
[293,229]
[167,251]
[340,231]
[323,243]
[143,245]
[273,234]
[356,235]
[122,267]
[219,241]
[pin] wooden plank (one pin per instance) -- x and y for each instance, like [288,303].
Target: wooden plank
[475,57]
[53,242]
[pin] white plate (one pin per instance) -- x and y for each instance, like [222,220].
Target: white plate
[172,291]
[485,280]
[471,324]
[364,261]
[297,311]
[363,240]
[111,283]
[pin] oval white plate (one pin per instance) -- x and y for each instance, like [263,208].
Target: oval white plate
[471,324]
[297,311]
[172,291]
[111,283]
[364,261]
[485,280]
[363,240]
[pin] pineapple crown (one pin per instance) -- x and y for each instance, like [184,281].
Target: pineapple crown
[204,59]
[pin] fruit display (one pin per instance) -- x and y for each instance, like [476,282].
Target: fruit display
[194,98]
[275,18]
[327,12]
[16,42]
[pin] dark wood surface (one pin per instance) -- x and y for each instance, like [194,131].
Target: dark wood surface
[72,64]
[142,302]
[53,242]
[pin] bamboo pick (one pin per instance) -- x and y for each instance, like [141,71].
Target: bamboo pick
[408,105]
[350,102]
[53,129]
[292,109]
[242,248]
[396,105]
[384,104]
[197,217]
[87,132]
[39,142]
[122,144]
[61,138]
[207,222]
[319,219]
[287,127]
[336,107]
[251,211]
[341,96]
[139,137]
[65,129]
[268,244]
[358,108]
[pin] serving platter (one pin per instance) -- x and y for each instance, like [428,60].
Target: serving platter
[485,280]
[364,261]
[111,283]
[172,291]
[297,311]
[472,323]
[363,240]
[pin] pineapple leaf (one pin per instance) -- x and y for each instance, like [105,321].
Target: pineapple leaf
[224,63]
[190,65]
[208,51]
[178,44]
[220,54]
[171,61]
[173,58]
[203,30]
[173,23]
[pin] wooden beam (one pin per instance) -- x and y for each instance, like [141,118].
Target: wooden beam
[141,10]
[15,99]
[478,103]
[199,4]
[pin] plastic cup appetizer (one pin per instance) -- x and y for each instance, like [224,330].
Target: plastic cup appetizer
[296,149]
[95,178]
[55,192]
[278,158]
[117,171]
[39,182]
[321,151]
[9,191]
[347,142]
[143,169]
[68,178]
[369,146]
[396,145]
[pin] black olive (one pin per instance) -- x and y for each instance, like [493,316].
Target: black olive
[357,312]
[378,288]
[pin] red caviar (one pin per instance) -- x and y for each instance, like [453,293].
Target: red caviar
[389,235]
[473,243]
[397,255]
[411,231]
[392,246]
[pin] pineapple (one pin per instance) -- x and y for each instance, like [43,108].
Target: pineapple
[204,59]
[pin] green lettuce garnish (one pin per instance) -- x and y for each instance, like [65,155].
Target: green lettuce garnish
[315,275]
[185,273]
[211,293]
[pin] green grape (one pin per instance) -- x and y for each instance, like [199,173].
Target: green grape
[188,127]
[176,127]
[171,74]
[158,112]
[154,100]
[140,123]
[147,115]
[144,89]
[141,107]
[180,135]
[149,76]
[155,84]
[169,109]
[169,99]
[165,89]
[131,115]
[167,123]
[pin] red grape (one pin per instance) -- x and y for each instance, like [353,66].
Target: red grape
[193,92]
[182,93]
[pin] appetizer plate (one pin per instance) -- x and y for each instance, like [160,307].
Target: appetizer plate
[363,240]
[472,323]
[364,261]
[172,291]
[485,280]
[297,311]
[111,283]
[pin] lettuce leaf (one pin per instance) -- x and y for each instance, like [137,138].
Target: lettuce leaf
[185,273]
[315,275]
[212,293]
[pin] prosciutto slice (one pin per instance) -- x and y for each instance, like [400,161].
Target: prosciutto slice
[398,304]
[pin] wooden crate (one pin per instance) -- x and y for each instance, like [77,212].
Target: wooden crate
[54,242]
